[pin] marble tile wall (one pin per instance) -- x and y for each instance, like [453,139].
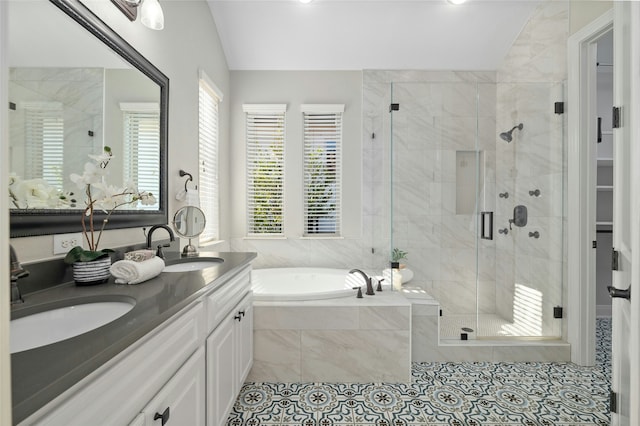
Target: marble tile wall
[353,340]
[529,82]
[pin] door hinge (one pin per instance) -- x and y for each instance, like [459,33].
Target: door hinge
[558,107]
[616,118]
[394,107]
[615,263]
[594,244]
[557,312]
[613,402]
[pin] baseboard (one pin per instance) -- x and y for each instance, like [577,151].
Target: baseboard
[603,311]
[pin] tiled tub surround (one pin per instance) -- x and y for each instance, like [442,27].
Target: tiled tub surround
[333,340]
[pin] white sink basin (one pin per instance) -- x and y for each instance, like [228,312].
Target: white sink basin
[187,265]
[44,328]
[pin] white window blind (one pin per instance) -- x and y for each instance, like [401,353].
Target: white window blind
[141,123]
[209,99]
[322,169]
[44,133]
[265,136]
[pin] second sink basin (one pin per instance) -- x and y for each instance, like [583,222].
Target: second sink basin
[193,264]
[54,325]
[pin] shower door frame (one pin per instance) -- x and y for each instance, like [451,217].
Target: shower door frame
[581,295]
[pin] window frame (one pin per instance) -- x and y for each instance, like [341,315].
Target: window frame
[209,202]
[323,115]
[274,114]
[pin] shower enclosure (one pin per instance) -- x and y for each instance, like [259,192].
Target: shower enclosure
[476,182]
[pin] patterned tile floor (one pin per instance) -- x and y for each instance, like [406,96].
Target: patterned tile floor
[456,394]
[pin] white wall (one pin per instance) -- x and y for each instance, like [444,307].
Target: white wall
[295,88]
[188,42]
[582,12]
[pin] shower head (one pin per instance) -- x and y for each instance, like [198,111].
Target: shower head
[508,136]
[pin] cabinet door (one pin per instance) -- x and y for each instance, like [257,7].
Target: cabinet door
[221,372]
[181,401]
[245,339]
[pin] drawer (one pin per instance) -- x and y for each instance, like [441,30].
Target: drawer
[223,299]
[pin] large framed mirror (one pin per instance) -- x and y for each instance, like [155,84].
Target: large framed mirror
[76,86]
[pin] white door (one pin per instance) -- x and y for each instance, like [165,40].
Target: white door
[626,211]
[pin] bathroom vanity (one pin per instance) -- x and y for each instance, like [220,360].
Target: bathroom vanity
[179,356]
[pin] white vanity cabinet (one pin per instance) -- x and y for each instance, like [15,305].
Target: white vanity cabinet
[188,371]
[229,346]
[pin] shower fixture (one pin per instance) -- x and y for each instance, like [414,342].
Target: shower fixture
[508,136]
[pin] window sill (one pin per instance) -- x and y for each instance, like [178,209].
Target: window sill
[320,237]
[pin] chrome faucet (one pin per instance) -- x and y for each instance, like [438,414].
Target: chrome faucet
[367,280]
[17,272]
[172,237]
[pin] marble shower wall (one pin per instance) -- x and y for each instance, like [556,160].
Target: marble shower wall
[80,91]
[529,271]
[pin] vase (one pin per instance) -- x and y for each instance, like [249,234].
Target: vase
[407,274]
[92,273]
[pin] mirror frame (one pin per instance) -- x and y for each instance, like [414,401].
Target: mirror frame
[25,223]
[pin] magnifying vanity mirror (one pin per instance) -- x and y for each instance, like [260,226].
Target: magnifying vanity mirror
[74,89]
[189,222]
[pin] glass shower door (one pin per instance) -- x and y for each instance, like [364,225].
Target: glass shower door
[434,186]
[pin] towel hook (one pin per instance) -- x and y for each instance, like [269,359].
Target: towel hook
[189,179]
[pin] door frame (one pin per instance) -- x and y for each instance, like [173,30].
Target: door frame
[581,175]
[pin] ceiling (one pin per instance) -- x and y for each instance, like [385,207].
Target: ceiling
[368,34]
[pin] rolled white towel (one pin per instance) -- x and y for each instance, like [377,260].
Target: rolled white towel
[130,272]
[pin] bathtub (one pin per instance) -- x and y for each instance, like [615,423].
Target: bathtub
[285,284]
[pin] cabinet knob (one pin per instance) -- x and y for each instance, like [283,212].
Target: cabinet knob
[241,313]
[238,317]
[164,416]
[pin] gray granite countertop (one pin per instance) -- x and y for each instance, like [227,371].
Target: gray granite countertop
[41,374]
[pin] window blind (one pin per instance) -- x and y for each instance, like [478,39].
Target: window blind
[209,98]
[141,123]
[265,138]
[44,137]
[322,169]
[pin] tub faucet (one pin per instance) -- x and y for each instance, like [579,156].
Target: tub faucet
[367,280]
[150,234]
[17,272]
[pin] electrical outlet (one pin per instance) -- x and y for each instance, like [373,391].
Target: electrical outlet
[62,243]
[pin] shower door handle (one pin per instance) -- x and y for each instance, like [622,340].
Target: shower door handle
[617,293]
[486,225]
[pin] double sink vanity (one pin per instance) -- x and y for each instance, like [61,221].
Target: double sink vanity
[172,350]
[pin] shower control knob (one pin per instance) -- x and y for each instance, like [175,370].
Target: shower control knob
[504,231]
[535,234]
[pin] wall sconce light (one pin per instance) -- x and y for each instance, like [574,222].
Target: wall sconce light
[151,14]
